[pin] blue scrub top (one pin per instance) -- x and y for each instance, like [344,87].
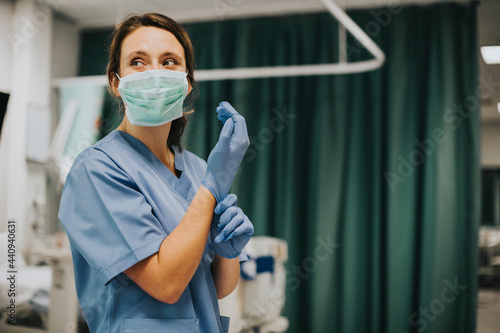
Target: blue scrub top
[119,203]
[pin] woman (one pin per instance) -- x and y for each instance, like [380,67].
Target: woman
[149,253]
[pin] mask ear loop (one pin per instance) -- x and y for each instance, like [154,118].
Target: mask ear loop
[190,111]
[119,79]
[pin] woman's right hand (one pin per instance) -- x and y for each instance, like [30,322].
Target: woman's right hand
[225,159]
[230,230]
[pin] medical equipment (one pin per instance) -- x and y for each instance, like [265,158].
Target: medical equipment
[45,291]
[259,299]
[4,99]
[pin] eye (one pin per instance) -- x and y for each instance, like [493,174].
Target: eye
[169,62]
[136,62]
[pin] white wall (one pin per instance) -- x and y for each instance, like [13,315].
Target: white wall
[5,13]
[35,47]
[29,31]
[490,145]
[5,85]
[5,58]
[65,48]
[65,62]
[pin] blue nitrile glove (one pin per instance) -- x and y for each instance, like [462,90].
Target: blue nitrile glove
[224,160]
[230,230]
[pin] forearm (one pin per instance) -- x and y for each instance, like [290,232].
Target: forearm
[166,274]
[181,252]
[226,274]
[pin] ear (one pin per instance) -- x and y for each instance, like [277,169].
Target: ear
[190,87]
[114,83]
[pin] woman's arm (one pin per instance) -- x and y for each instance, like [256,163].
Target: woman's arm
[165,274]
[226,273]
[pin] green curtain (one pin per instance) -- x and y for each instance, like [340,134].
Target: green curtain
[373,178]
[324,158]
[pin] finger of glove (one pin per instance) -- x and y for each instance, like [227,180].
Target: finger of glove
[226,217]
[245,229]
[228,201]
[213,230]
[226,133]
[222,118]
[229,236]
[240,131]
[230,228]
[225,111]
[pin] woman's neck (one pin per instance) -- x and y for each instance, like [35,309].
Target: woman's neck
[155,138]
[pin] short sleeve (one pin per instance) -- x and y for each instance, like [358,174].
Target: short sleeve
[243,257]
[107,219]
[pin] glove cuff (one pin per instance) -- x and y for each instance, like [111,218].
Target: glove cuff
[223,252]
[207,181]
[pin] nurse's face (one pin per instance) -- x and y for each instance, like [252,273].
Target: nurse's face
[150,48]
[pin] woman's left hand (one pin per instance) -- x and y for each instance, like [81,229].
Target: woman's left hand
[225,159]
[231,229]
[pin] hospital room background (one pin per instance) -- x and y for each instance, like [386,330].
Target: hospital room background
[373,181]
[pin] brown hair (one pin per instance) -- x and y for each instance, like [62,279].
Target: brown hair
[129,25]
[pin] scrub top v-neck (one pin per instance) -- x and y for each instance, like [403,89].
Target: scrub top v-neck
[119,203]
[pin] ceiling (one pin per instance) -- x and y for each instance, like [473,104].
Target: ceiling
[98,13]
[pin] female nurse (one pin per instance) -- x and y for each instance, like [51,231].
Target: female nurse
[156,239]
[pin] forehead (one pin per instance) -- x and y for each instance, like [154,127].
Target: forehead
[153,40]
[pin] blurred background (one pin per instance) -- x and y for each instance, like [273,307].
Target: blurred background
[375,193]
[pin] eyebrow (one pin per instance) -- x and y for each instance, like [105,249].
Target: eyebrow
[144,53]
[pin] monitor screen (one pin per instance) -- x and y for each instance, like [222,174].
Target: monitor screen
[4,98]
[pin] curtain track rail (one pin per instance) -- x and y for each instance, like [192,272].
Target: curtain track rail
[342,67]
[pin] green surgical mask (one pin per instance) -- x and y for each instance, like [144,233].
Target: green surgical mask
[154,97]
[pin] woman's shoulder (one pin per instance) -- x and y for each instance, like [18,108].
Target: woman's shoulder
[97,158]
[91,160]
[97,151]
